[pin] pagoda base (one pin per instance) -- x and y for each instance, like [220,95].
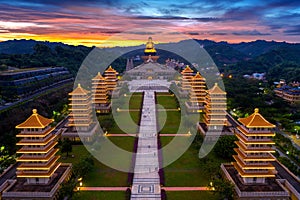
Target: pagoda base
[271,190]
[103,108]
[193,108]
[84,136]
[213,135]
[16,189]
[183,93]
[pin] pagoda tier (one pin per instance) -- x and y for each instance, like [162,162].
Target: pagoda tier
[197,91]
[253,159]
[100,94]
[215,108]
[80,117]
[111,78]
[38,161]
[187,75]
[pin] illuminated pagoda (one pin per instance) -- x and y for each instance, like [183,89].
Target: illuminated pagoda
[100,94]
[111,79]
[197,93]
[38,172]
[253,171]
[80,122]
[186,76]
[38,160]
[255,147]
[150,52]
[215,122]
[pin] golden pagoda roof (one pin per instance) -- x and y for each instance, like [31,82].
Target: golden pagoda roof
[35,121]
[98,77]
[79,90]
[187,69]
[216,90]
[198,76]
[256,120]
[110,69]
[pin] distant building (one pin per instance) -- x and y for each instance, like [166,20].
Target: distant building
[252,173]
[111,79]
[215,123]
[288,93]
[38,172]
[80,126]
[23,82]
[129,64]
[258,76]
[197,94]
[100,94]
[185,83]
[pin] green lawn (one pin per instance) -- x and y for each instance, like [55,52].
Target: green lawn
[101,175]
[126,123]
[168,102]
[104,195]
[195,195]
[125,143]
[169,121]
[189,170]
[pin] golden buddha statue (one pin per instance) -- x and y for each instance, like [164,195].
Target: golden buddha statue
[150,46]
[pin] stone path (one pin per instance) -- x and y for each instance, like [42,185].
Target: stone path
[146,182]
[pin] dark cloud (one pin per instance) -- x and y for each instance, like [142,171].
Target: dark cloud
[192,33]
[218,33]
[253,33]
[293,31]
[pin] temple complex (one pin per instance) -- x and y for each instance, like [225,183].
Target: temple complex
[111,79]
[80,122]
[100,94]
[197,93]
[252,172]
[38,173]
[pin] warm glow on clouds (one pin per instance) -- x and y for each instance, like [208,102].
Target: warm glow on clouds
[92,22]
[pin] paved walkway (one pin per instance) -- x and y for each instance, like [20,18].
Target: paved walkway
[103,188]
[185,188]
[146,182]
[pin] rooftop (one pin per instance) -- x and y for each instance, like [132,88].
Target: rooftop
[35,121]
[256,120]
[216,90]
[79,91]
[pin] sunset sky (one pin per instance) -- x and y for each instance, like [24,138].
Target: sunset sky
[93,22]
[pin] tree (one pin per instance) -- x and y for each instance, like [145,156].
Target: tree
[82,168]
[223,188]
[66,146]
[225,145]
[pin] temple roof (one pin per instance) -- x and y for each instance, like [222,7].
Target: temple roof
[216,90]
[256,120]
[198,76]
[79,90]
[110,69]
[35,121]
[98,77]
[187,69]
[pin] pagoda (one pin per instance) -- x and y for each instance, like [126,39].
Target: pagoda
[80,122]
[253,159]
[150,52]
[215,122]
[100,94]
[186,76]
[38,161]
[111,79]
[197,93]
